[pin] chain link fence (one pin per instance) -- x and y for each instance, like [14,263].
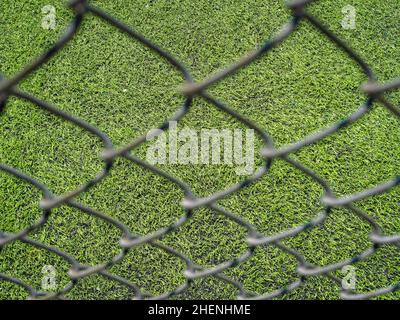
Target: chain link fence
[191,90]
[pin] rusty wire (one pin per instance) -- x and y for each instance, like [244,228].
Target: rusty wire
[373,90]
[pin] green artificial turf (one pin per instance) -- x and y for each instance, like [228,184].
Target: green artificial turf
[114,83]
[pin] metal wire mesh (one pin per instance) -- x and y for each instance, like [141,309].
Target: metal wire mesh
[197,90]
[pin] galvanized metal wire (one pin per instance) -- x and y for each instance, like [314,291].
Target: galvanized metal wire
[374,92]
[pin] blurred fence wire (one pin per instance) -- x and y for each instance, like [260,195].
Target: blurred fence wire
[374,92]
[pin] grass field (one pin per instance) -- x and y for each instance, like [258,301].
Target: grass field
[114,83]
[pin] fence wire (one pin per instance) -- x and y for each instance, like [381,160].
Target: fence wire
[373,90]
